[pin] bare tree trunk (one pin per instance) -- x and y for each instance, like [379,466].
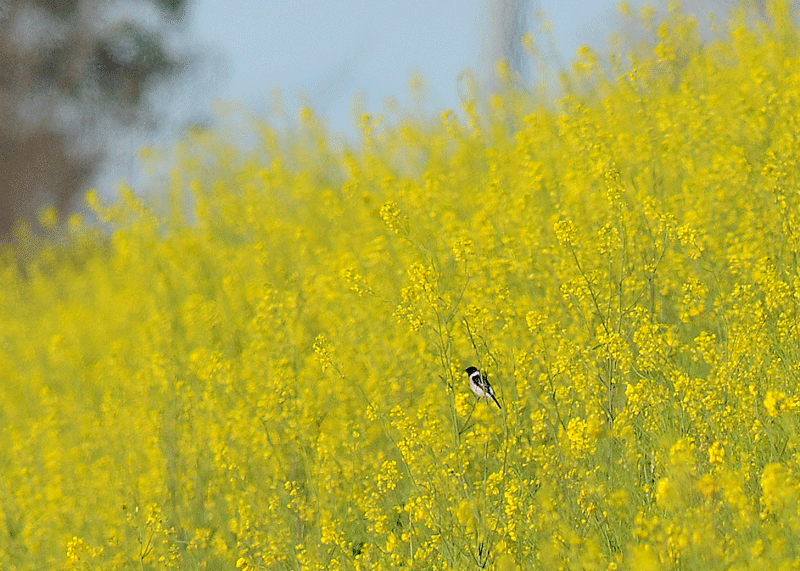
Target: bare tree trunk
[507,22]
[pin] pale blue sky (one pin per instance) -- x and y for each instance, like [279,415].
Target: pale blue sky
[330,52]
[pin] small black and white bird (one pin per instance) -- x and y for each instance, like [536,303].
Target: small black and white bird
[480,385]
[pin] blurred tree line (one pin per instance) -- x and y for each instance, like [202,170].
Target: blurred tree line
[71,73]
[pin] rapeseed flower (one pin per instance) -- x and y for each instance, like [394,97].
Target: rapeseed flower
[267,371]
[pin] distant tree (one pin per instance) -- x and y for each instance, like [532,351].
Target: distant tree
[507,23]
[70,72]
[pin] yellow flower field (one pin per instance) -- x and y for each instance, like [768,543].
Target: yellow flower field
[269,373]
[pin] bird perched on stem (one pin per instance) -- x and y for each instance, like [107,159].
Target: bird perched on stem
[480,385]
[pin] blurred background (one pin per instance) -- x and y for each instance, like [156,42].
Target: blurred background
[85,84]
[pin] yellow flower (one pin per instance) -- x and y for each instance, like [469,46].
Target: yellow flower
[668,494]
[773,401]
[716,453]
[390,214]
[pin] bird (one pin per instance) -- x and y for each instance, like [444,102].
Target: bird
[480,385]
